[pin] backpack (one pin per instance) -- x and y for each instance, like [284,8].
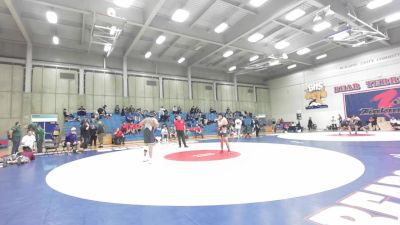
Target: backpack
[10,134]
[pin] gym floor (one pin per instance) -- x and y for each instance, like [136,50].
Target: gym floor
[290,179]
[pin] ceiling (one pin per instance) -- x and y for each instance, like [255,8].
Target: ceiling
[195,39]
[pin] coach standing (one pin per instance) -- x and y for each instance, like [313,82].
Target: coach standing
[180,130]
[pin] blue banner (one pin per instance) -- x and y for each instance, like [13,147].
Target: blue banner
[382,103]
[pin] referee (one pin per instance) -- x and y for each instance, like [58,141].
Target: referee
[180,130]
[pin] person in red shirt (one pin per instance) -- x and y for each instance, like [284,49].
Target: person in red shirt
[180,130]
[124,128]
[119,137]
[197,131]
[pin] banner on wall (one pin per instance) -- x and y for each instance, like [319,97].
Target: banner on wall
[382,103]
[315,94]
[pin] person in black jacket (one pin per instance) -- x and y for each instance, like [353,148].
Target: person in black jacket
[93,134]
[100,133]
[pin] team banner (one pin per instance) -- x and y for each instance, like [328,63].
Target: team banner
[382,103]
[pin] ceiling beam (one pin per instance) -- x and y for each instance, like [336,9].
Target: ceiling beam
[238,7]
[18,20]
[58,6]
[271,13]
[83,29]
[91,30]
[199,15]
[152,14]
[292,27]
[168,47]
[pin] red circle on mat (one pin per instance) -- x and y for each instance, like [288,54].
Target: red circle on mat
[202,155]
[351,135]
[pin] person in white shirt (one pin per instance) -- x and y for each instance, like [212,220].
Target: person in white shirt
[238,127]
[28,141]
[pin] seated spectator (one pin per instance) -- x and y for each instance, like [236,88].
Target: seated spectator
[72,140]
[197,131]
[393,121]
[179,110]
[118,137]
[28,142]
[212,110]
[175,110]
[67,116]
[129,118]
[81,111]
[172,132]
[123,111]
[101,112]
[117,110]
[164,134]
[124,128]
[228,110]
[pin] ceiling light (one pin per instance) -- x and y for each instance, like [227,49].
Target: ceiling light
[377,3]
[147,55]
[282,45]
[107,47]
[51,17]
[317,18]
[221,28]
[181,60]
[160,39]
[295,14]
[321,26]
[393,17]
[254,58]
[180,15]
[111,12]
[341,35]
[274,62]
[321,56]
[228,53]
[358,44]
[257,3]
[255,37]
[123,3]
[284,56]
[198,47]
[303,51]
[113,30]
[232,68]
[292,66]
[56,40]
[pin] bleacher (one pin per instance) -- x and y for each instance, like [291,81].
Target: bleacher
[115,121]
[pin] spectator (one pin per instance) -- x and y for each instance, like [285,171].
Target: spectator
[117,110]
[15,137]
[101,112]
[72,140]
[124,127]
[198,131]
[257,126]
[28,142]
[81,111]
[67,116]
[119,137]
[212,110]
[85,134]
[238,127]
[310,124]
[100,133]
[175,110]
[39,138]
[164,134]
[56,134]
[93,134]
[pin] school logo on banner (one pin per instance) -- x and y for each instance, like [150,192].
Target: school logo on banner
[315,94]
[380,103]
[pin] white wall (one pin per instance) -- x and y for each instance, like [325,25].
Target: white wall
[288,93]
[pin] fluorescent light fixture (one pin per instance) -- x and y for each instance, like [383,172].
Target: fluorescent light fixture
[282,44]
[254,58]
[228,53]
[198,47]
[321,56]
[107,47]
[321,26]
[123,3]
[392,18]
[341,35]
[160,39]
[274,62]
[232,68]
[295,14]
[221,28]
[147,55]
[255,37]
[358,44]
[303,51]
[113,30]
[111,12]
[180,15]
[292,66]
[377,3]
[329,12]
[56,40]
[284,56]
[257,3]
[51,16]
[181,60]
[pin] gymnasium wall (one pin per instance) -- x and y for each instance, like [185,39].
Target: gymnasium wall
[52,91]
[288,93]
